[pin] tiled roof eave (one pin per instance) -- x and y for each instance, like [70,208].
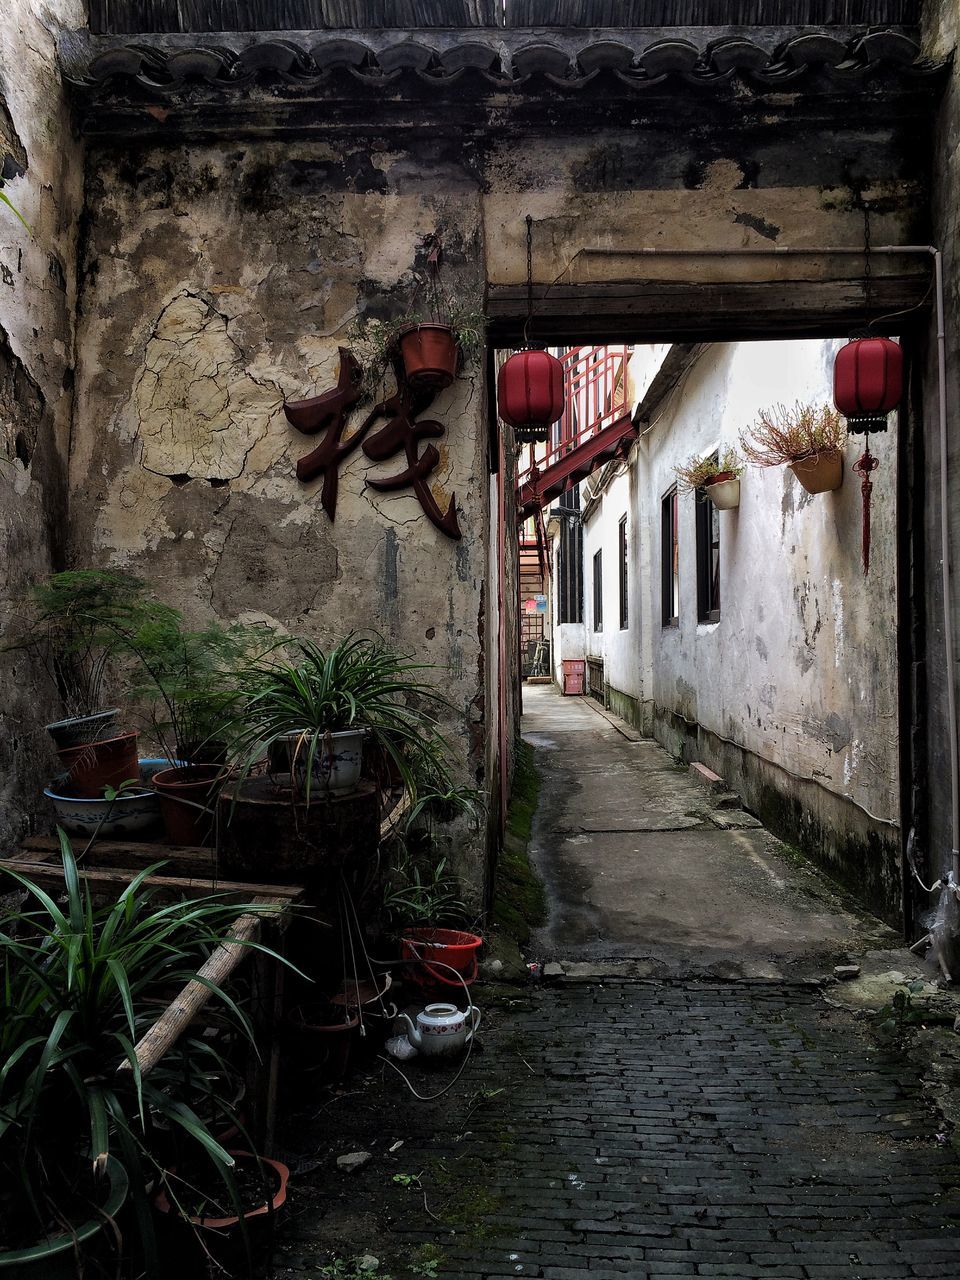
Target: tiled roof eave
[111,69]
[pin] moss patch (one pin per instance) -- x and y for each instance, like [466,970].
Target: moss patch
[519,903]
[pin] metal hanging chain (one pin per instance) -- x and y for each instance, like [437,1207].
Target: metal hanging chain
[526,327]
[867,265]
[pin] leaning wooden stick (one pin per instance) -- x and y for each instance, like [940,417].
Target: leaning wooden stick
[168,1028]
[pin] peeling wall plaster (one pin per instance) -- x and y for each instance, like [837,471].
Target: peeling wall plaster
[219,283]
[37,309]
[220,278]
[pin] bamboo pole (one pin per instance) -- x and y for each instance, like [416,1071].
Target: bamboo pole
[168,1028]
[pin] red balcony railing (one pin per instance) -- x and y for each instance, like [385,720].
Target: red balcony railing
[595,387]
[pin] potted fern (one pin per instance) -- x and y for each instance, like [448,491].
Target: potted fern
[72,625]
[187,687]
[809,438]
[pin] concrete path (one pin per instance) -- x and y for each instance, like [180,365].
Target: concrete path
[683,1102]
[642,863]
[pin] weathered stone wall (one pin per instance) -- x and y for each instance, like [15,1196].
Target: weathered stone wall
[942,31]
[234,232]
[218,283]
[42,163]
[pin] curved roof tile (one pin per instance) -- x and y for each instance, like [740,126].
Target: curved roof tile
[106,67]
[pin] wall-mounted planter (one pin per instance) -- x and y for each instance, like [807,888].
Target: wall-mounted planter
[821,472]
[429,353]
[724,493]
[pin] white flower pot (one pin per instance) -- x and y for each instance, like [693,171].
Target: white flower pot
[337,760]
[131,815]
[724,494]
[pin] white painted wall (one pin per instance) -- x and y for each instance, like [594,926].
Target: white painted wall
[801,668]
[618,647]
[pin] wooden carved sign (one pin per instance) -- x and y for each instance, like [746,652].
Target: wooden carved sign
[402,434]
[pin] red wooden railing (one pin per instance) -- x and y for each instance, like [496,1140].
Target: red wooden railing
[595,387]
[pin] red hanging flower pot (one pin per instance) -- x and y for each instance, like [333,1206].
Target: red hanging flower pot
[430,354]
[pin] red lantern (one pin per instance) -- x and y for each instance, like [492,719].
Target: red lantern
[868,382]
[530,393]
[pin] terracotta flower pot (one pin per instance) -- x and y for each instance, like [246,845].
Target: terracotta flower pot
[96,765]
[326,1037]
[820,472]
[275,1171]
[186,794]
[429,353]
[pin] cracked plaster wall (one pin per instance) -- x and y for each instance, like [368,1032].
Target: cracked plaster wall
[42,163]
[218,283]
[218,279]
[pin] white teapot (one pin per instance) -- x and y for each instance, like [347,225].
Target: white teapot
[442,1029]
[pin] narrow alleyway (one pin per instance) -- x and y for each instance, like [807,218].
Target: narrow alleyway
[642,861]
[688,1100]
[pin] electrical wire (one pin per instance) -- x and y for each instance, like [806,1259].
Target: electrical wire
[431,1097]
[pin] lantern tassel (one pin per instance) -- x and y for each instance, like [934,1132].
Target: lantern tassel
[863,467]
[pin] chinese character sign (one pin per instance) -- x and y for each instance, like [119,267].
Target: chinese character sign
[402,435]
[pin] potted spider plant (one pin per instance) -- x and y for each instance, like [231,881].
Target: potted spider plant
[313,718]
[809,438]
[80,1120]
[717,476]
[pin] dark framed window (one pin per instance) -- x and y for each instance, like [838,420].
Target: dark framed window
[669,559]
[708,560]
[598,591]
[570,572]
[623,572]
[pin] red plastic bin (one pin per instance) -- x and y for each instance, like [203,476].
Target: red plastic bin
[574,674]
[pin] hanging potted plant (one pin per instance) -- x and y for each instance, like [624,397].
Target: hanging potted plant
[809,438]
[429,343]
[716,476]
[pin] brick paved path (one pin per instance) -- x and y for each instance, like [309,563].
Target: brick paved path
[742,1130]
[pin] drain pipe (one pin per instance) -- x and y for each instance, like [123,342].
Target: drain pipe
[951,879]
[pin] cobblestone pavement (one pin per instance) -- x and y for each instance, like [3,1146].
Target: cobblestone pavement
[702,1113]
[654,1130]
